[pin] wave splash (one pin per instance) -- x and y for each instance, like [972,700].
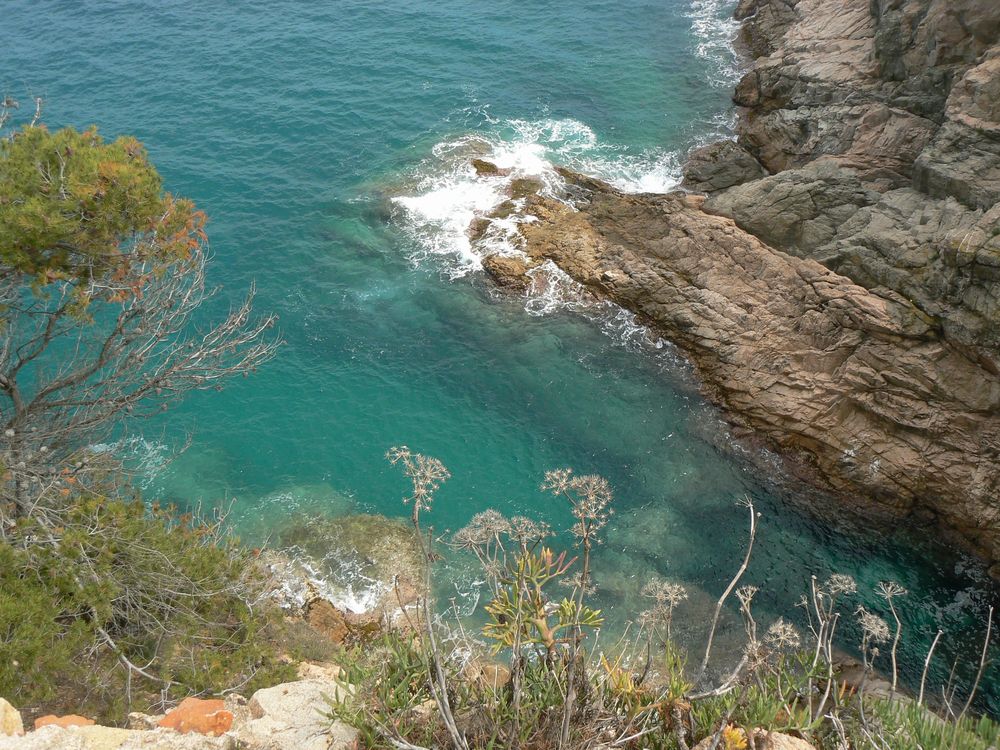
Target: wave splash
[448,194]
[715,32]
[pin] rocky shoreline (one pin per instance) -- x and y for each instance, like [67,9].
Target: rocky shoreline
[834,273]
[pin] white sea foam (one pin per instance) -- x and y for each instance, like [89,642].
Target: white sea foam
[448,194]
[715,30]
[145,459]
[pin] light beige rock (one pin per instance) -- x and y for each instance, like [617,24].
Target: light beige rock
[96,737]
[10,719]
[46,738]
[294,716]
[168,739]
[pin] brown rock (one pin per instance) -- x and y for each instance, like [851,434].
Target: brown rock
[328,620]
[488,169]
[524,187]
[508,271]
[198,715]
[488,674]
[856,384]
[70,720]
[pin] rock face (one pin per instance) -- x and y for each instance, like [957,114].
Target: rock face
[859,384]
[839,289]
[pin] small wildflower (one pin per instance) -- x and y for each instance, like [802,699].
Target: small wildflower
[733,738]
[664,592]
[746,594]
[889,589]
[873,626]
[525,531]
[557,481]
[574,581]
[782,635]
[483,528]
[425,473]
[839,583]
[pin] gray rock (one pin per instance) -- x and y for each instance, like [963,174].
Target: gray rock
[720,165]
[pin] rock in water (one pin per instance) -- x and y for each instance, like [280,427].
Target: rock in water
[861,334]
[509,272]
[720,165]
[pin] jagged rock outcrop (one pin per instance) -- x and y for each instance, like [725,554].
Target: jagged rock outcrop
[879,121]
[859,384]
[839,289]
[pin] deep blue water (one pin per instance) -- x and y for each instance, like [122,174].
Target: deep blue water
[329,144]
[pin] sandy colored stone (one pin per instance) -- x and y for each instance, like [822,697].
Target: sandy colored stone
[10,719]
[96,737]
[197,715]
[69,720]
[327,620]
[767,741]
[46,738]
[295,716]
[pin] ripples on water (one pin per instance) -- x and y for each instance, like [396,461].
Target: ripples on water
[329,144]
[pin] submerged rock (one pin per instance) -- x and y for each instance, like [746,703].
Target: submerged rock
[362,563]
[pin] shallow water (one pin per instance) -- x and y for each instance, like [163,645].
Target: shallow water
[329,144]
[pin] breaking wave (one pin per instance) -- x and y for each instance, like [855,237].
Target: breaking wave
[715,31]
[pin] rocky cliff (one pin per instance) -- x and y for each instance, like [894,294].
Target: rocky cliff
[839,287]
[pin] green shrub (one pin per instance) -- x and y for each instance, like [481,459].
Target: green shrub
[120,605]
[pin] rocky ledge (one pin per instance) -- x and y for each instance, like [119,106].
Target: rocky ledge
[837,283]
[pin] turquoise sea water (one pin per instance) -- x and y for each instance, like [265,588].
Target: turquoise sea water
[329,143]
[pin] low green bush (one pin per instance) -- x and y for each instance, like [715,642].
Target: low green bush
[123,607]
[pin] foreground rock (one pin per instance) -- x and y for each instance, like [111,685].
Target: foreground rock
[197,715]
[290,716]
[10,720]
[860,385]
[764,741]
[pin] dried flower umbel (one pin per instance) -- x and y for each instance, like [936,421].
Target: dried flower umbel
[665,595]
[425,473]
